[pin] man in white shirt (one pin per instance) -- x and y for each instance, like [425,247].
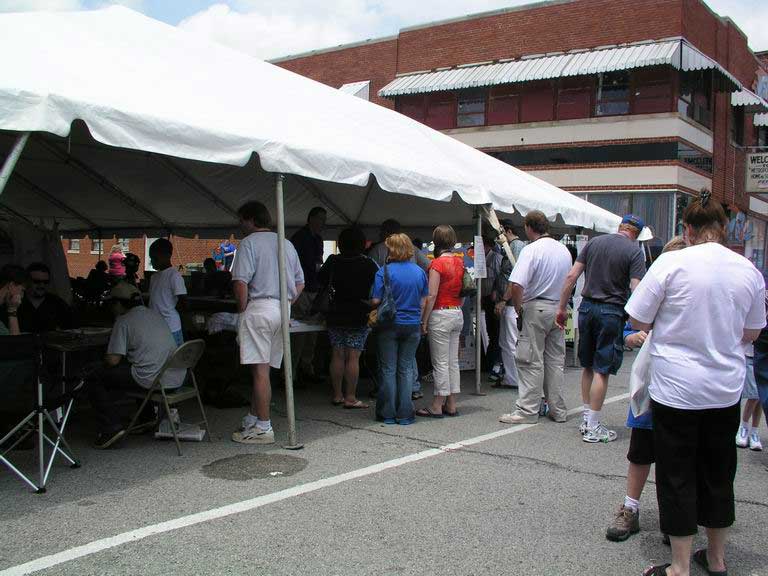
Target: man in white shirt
[256,283]
[166,287]
[534,290]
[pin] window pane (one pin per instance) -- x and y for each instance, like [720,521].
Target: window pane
[656,210]
[471,119]
[618,203]
[613,94]
[471,109]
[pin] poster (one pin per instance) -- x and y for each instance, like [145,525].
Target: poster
[757,173]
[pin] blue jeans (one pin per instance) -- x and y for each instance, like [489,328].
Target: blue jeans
[397,358]
[178,337]
[761,374]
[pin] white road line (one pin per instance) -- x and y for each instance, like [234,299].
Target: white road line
[253,503]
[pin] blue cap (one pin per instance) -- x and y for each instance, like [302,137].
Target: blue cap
[633,220]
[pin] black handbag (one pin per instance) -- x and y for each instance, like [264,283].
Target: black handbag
[324,300]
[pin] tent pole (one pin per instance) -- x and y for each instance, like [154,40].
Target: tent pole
[478,310]
[12,159]
[285,317]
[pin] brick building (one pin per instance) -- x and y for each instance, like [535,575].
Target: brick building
[633,104]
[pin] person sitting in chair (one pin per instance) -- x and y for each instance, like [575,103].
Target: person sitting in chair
[140,344]
[41,310]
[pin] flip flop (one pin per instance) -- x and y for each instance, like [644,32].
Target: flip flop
[660,570]
[700,557]
[427,413]
[450,414]
[359,405]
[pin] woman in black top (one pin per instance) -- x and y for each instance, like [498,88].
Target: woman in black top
[349,277]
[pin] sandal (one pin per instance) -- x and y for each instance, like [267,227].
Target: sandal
[427,413]
[700,557]
[417,396]
[660,570]
[358,405]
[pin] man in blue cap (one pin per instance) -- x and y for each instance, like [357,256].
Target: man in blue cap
[613,265]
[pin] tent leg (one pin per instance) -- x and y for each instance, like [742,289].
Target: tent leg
[478,313]
[285,318]
[12,159]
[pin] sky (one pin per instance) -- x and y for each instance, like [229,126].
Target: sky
[273,28]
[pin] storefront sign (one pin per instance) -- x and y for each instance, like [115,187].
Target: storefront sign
[757,172]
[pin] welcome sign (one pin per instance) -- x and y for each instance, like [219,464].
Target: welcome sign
[757,172]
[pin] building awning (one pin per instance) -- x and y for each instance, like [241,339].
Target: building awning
[751,101]
[760,120]
[677,53]
[359,89]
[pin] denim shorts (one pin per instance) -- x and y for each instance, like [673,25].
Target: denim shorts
[351,338]
[750,384]
[601,336]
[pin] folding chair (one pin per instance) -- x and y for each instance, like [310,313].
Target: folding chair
[186,358]
[24,354]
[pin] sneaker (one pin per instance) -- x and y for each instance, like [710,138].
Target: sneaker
[254,435]
[105,440]
[583,427]
[515,419]
[754,441]
[742,437]
[496,373]
[625,523]
[599,434]
[428,378]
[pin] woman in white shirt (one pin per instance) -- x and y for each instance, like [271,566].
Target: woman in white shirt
[703,303]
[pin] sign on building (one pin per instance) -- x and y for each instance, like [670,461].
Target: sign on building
[757,172]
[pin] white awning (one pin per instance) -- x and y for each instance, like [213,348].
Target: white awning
[760,120]
[751,101]
[359,89]
[677,53]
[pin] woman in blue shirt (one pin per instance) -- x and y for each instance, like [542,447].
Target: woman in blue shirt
[398,342]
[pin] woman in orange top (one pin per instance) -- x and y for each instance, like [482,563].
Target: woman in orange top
[442,321]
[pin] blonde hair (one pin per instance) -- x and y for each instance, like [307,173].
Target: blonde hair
[116,248]
[400,248]
[677,243]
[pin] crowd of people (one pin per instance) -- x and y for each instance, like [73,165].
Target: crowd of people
[698,309]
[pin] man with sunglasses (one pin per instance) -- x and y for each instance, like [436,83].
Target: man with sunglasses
[41,310]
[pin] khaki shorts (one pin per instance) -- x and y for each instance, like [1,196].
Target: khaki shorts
[259,334]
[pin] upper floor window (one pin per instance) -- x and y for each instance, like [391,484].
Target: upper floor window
[412,106]
[652,89]
[74,246]
[612,94]
[737,125]
[471,108]
[125,244]
[97,246]
[441,113]
[504,104]
[695,99]
[762,136]
[574,98]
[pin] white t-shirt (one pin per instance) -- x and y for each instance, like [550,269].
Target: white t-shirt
[699,300]
[165,287]
[256,265]
[541,269]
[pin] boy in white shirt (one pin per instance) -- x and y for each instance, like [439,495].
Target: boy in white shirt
[166,287]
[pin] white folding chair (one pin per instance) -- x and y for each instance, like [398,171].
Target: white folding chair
[186,358]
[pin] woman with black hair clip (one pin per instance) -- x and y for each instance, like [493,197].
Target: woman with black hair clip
[703,304]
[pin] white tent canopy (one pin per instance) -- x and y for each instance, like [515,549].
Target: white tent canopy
[168,120]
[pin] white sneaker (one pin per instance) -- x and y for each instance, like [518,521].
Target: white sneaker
[599,434]
[583,427]
[754,441]
[254,435]
[742,437]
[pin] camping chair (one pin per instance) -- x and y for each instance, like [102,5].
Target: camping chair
[42,395]
[186,358]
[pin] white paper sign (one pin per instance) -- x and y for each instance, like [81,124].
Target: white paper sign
[480,270]
[757,172]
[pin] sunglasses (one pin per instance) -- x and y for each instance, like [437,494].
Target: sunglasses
[41,282]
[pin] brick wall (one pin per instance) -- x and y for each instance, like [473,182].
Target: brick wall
[185,251]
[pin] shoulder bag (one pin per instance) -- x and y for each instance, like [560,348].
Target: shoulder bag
[324,300]
[384,314]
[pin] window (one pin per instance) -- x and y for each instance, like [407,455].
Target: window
[411,106]
[471,109]
[762,136]
[537,102]
[737,125]
[97,246]
[652,91]
[504,105]
[74,246]
[574,98]
[695,99]
[441,113]
[612,94]
[655,208]
[125,244]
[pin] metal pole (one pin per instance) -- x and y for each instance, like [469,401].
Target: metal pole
[478,310]
[285,318]
[12,159]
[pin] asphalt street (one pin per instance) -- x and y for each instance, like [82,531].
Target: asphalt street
[360,498]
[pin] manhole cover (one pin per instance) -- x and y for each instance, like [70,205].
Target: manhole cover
[251,466]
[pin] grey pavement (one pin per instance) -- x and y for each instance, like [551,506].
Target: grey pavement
[535,501]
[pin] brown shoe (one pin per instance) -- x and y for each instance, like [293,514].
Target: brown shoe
[625,523]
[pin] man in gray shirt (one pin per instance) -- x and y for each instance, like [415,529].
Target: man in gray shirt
[139,346]
[379,253]
[613,265]
[256,283]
